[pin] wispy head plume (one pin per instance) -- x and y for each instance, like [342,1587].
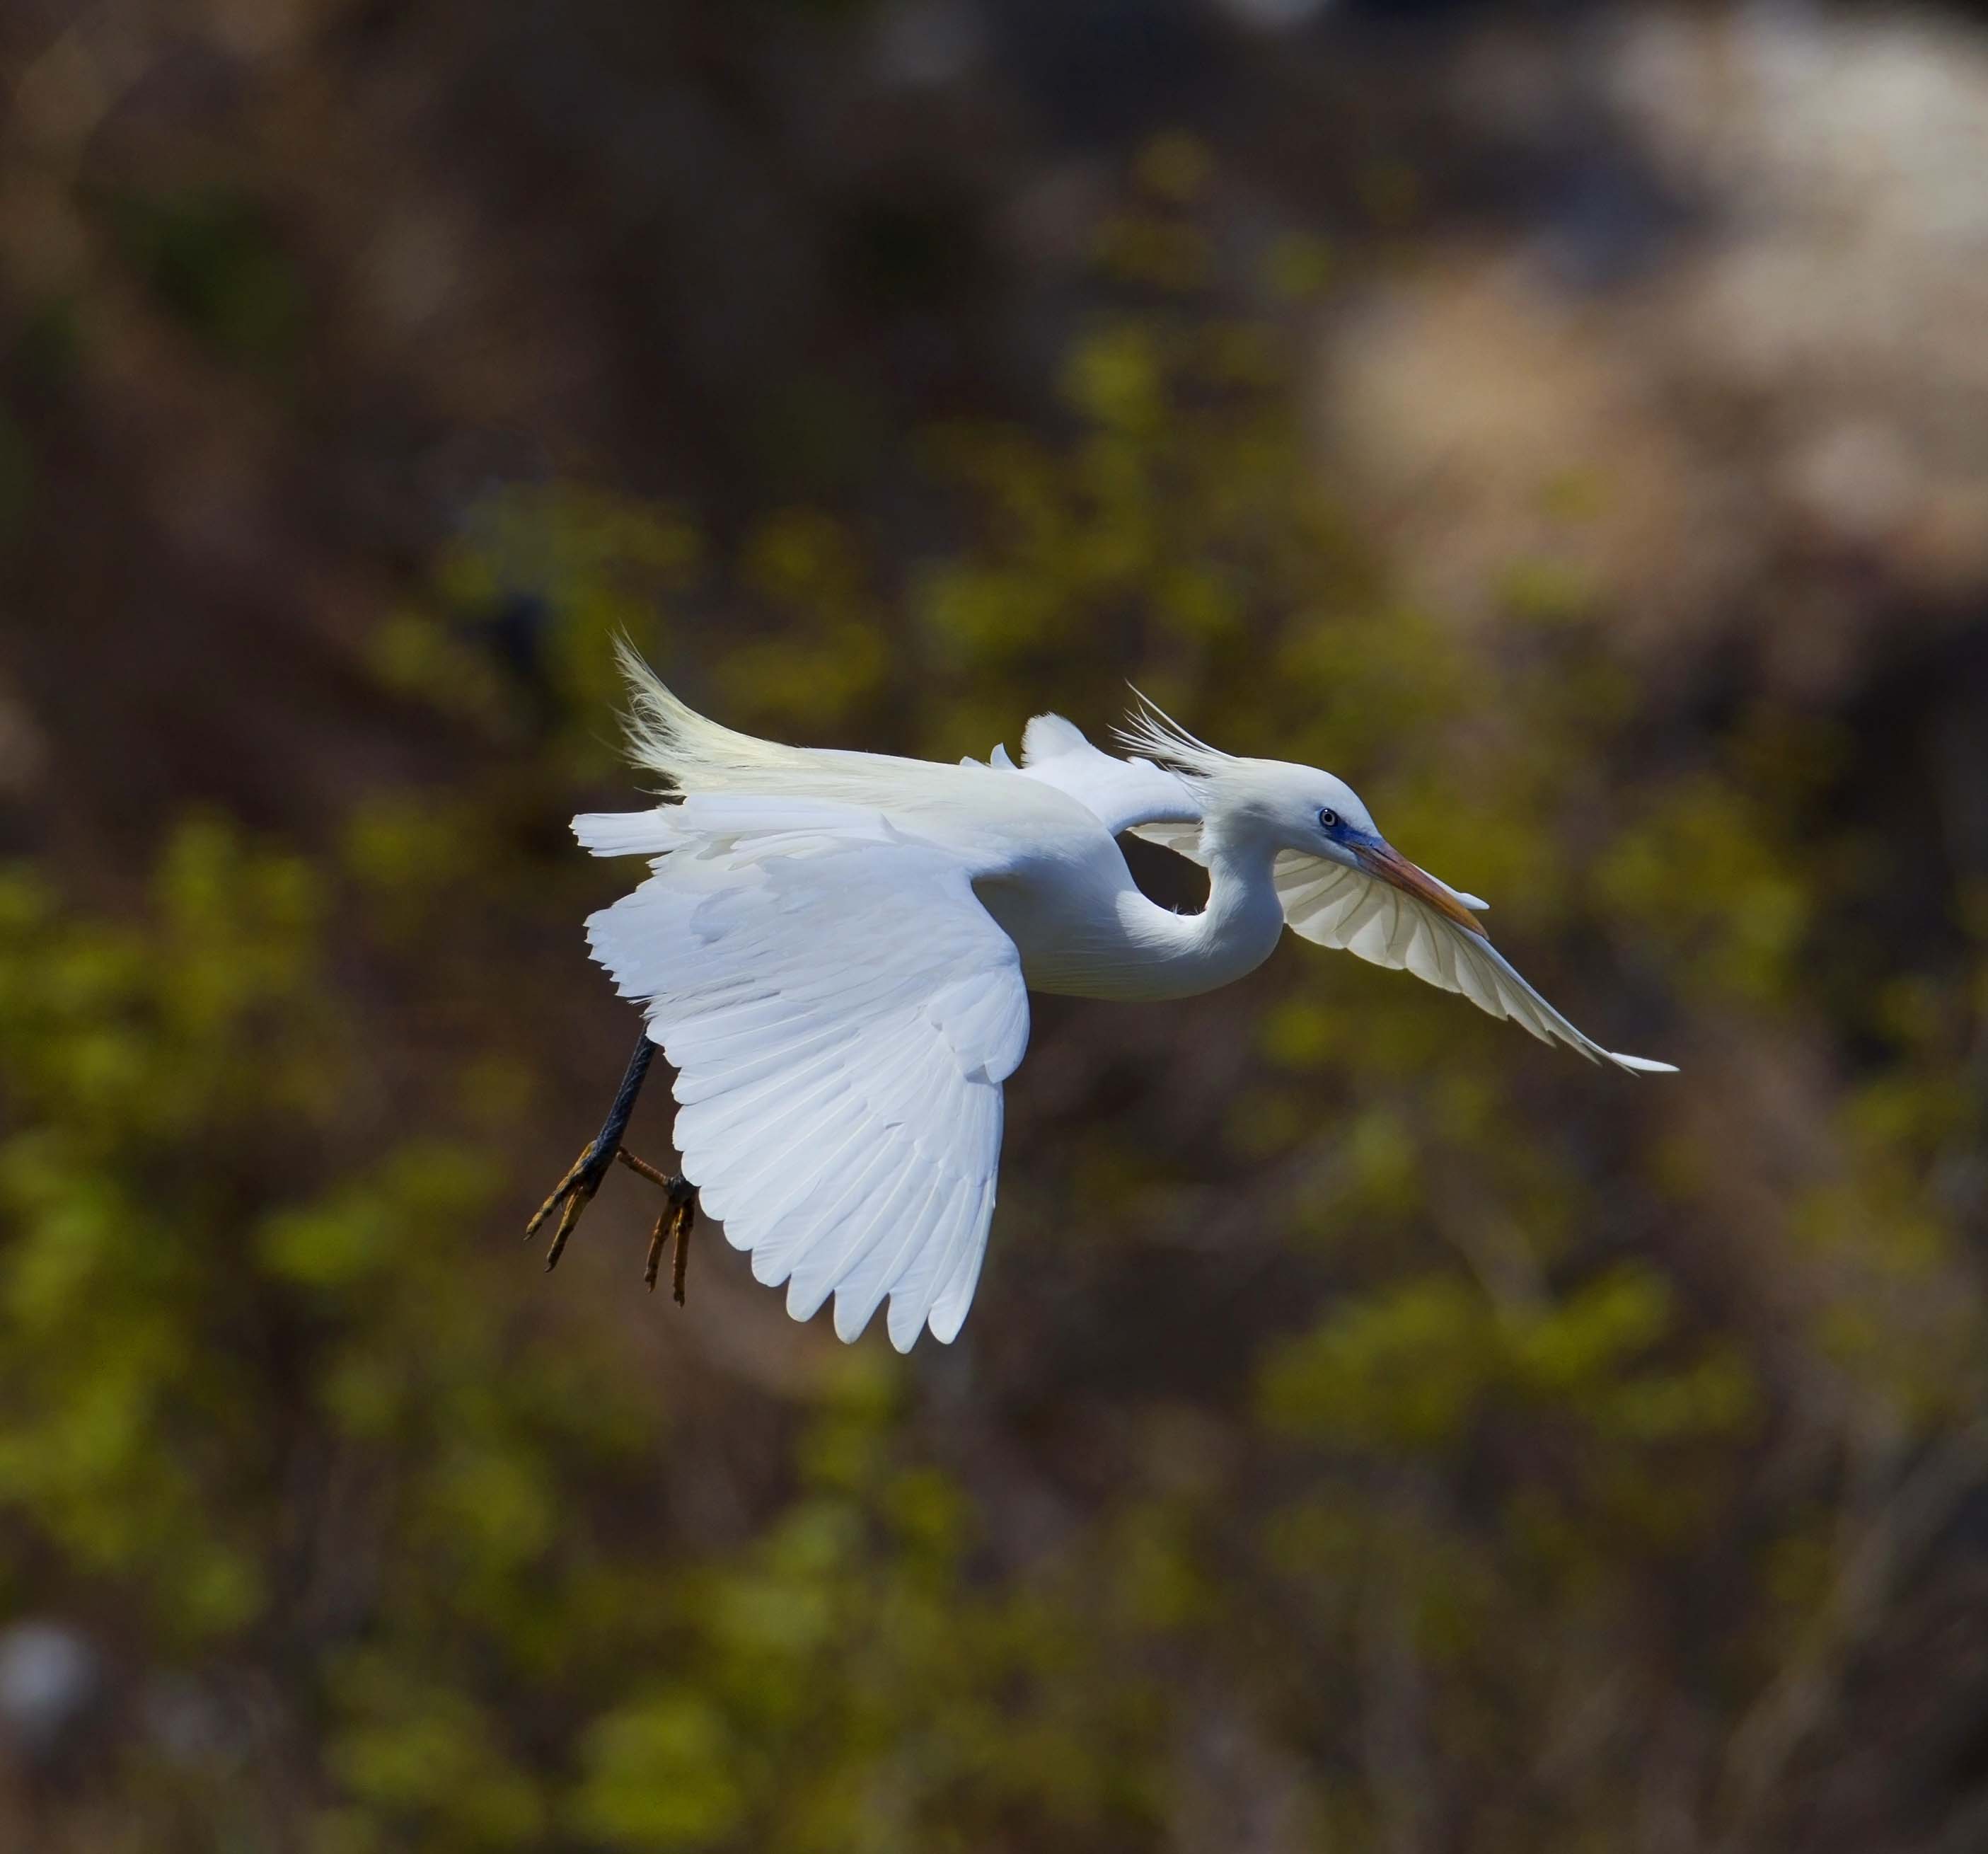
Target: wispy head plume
[1150,730]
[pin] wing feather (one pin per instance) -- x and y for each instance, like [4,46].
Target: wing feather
[1183,839]
[917,1282]
[948,1308]
[842,1012]
[834,1256]
[1121,794]
[1335,906]
[884,1261]
[807,1240]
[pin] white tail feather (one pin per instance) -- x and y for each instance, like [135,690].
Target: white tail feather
[668,737]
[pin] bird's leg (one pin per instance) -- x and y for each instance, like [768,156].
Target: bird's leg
[679,1216]
[575,1192]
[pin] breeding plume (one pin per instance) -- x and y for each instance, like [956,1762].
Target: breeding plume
[835,951]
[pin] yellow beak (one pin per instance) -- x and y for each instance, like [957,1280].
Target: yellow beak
[1384,861]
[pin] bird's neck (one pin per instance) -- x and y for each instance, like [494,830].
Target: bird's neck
[1180,955]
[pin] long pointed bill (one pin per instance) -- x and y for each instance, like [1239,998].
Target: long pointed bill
[1383,860]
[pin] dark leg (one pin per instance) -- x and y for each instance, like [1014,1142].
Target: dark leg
[575,1192]
[679,1214]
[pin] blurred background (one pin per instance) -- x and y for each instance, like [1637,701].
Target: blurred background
[1375,1430]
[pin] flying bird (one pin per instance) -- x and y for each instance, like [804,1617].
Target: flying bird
[835,950]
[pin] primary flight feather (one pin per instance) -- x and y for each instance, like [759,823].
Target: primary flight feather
[834,950]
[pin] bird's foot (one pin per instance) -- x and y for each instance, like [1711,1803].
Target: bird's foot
[575,1192]
[572,1194]
[678,1217]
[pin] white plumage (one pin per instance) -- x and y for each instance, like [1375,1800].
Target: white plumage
[842,1012]
[833,950]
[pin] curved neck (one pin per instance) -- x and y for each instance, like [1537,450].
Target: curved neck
[1178,956]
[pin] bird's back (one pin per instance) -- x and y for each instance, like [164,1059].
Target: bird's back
[993,821]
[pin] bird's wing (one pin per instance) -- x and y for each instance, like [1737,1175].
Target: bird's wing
[1120,793]
[1183,839]
[842,1012]
[1336,906]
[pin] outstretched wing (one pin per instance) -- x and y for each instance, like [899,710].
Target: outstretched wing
[1336,906]
[842,1012]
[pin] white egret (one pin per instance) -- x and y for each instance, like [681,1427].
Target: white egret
[835,950]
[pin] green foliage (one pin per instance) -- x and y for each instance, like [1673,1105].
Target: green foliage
[1413,1367]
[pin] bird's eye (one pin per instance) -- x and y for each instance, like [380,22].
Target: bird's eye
[1328,820]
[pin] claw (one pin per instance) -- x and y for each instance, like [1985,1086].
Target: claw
[675,1225]
[569,1197]
[654,1266]
[559,1190]
[686,1220]
[568,1217]
[679,1212]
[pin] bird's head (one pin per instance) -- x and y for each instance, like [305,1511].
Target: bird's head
[1302,809]
[1279,806]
